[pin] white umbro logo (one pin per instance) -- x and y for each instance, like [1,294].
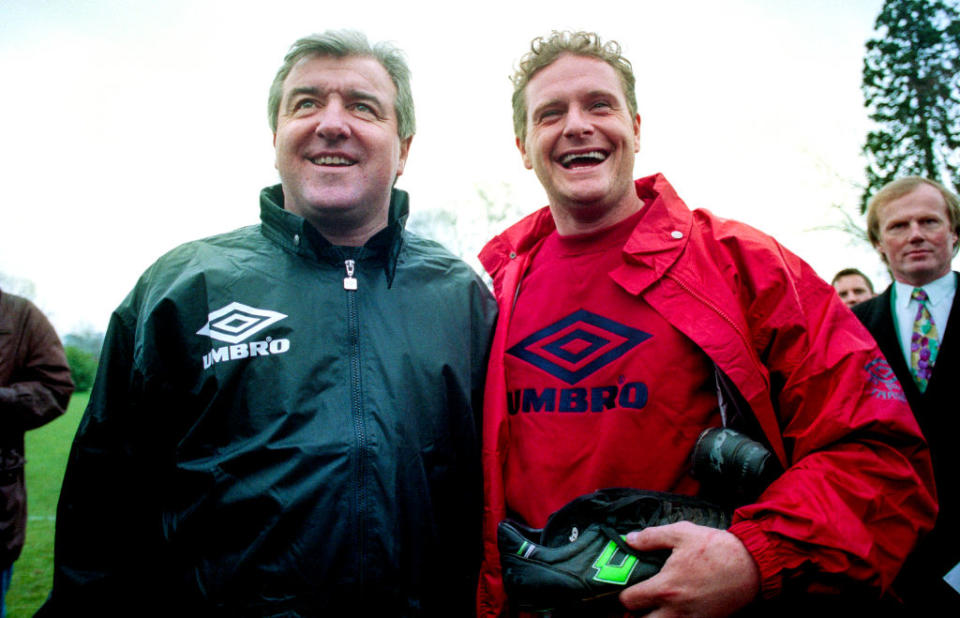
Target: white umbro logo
[237,322]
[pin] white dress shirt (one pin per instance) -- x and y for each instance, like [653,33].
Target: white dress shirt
[940,299]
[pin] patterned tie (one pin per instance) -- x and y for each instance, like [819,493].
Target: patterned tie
[924,343]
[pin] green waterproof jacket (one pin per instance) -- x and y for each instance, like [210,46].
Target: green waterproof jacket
[281,427]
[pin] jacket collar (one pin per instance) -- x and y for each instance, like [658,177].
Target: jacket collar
[295,234]
[658,240]
[653,247]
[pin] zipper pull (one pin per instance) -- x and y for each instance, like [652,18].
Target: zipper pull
[349,282]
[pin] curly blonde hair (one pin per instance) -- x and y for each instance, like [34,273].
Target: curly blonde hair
[545,50]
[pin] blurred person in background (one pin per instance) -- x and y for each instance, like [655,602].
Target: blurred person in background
[852,286]
[35,388]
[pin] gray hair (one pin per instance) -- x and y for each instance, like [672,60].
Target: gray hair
[343,44]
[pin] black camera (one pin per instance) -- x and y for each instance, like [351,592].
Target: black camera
[732,468]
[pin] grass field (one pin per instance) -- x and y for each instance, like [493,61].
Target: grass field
[47,450]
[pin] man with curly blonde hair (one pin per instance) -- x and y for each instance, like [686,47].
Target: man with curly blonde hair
[623,313]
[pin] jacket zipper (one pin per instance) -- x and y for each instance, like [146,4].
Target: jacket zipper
[710,305]
[353,337]
[747,344]
[703,299]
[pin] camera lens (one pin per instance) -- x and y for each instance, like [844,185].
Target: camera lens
[726,462]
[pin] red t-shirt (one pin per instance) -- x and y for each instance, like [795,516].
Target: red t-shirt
[602,391]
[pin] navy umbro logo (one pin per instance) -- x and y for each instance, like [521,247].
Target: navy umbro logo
[578,345]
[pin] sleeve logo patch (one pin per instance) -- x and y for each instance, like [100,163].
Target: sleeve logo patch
[883,381]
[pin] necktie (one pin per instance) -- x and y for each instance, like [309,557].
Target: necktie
[924,343]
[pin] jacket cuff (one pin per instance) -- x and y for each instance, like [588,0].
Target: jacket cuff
[8,396]
[764,554]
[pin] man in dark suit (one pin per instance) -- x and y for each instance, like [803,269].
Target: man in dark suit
[915,223]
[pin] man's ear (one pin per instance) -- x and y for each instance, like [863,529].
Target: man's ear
[404,151]
[636,133]
[883,256]
[523,153]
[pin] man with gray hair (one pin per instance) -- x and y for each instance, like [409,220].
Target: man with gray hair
[623,314]
[285,418]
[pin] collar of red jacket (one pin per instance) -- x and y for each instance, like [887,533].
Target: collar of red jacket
[655,244]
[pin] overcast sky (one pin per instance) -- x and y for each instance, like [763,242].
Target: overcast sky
[131,127]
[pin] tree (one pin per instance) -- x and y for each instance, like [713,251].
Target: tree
[911,74]
[83,367]
[86,339]
[82,348]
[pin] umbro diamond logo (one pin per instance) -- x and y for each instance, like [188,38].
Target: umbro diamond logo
[883,382]
[237,322]
[578,345]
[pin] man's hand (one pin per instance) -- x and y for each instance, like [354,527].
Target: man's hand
[709,573]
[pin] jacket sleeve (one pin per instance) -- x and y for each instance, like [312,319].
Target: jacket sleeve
[484,317]
[40,386]
[859,487]
[108,532]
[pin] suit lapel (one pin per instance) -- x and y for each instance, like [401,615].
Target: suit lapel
[882,325]
[948,350]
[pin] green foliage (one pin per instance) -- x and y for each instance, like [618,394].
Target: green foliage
[46,449]
[87,340]
[911,74]
[83,367]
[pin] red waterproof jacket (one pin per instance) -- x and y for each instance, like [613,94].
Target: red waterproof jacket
[858,489]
